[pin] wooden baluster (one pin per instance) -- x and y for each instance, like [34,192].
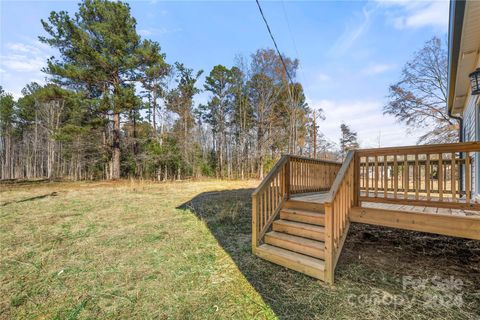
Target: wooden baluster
[416,176]
[264,217]
[286,177]
[376,177]
[342,201]
[298,176]
[385,176]
[406,170]
[335,221]
[427,176]
[313,176]
[295,176]
[255,230]
[272,198]
[356,180]
[367,176]
[282,183]
[303,176]
[454,178]
[395,175]
[274,204]
[445,179]
[279,183]
[440,176]
[307,176]
[468,184]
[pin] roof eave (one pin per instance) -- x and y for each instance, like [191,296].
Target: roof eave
[457,13]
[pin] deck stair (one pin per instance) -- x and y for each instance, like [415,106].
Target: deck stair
[297,239]
[303,208]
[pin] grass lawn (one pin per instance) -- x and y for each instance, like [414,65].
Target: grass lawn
[182,251]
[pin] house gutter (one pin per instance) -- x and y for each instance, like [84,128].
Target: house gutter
[457,14]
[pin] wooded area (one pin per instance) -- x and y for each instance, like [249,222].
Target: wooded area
[113,107]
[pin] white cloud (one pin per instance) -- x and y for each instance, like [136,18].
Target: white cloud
[416,14]
[321,77]
[21,63]
[157,31]
[354,30]
[28,56]
[22,47]
[377,69]
[367,119]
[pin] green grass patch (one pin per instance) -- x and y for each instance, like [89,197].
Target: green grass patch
[183,251]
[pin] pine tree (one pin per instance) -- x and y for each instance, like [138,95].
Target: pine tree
[100,53]
[348,140]
[218,111]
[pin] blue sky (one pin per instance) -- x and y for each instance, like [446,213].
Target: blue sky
[350,51]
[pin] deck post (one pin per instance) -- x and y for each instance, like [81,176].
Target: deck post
[254,223]
[329,252]
[356,180]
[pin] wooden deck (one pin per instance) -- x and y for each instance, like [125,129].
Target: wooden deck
[302,210]
[320,197]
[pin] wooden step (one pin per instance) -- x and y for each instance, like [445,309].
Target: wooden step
[303,205]
[300,229]
[292,260]
[303,216]
[301,245]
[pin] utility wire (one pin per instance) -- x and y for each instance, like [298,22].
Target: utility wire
[274,42]
[293,42]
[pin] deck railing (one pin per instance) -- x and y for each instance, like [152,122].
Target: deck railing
[429,175]
[311,175]
[290,175]
[340,199]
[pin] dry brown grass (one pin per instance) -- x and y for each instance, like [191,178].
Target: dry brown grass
[182,251]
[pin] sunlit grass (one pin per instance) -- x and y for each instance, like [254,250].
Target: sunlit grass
[183,251]
[117,250]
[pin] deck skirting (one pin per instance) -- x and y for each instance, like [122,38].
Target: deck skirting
[449,225]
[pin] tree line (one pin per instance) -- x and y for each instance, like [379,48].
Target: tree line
[114,108]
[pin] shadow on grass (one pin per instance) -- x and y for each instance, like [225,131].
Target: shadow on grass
[373,258]
[52,194]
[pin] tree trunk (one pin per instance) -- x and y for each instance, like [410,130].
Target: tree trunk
[116,147]
[8,156]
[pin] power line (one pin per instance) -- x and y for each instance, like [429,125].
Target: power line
[302,74]
[274,42]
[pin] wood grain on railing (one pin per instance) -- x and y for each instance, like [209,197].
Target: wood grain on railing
[311,175]
[267,199]
[430,175]
[337,208]
[290,175]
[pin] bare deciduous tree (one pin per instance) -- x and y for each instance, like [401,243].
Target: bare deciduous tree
[419,98]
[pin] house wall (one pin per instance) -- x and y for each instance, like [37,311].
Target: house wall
[471,131]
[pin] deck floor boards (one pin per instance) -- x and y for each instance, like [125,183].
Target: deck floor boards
[320,197]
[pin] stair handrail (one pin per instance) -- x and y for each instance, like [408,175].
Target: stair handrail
[340,176]
[340,199]
[291,174]
[267,202]
[280,163]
